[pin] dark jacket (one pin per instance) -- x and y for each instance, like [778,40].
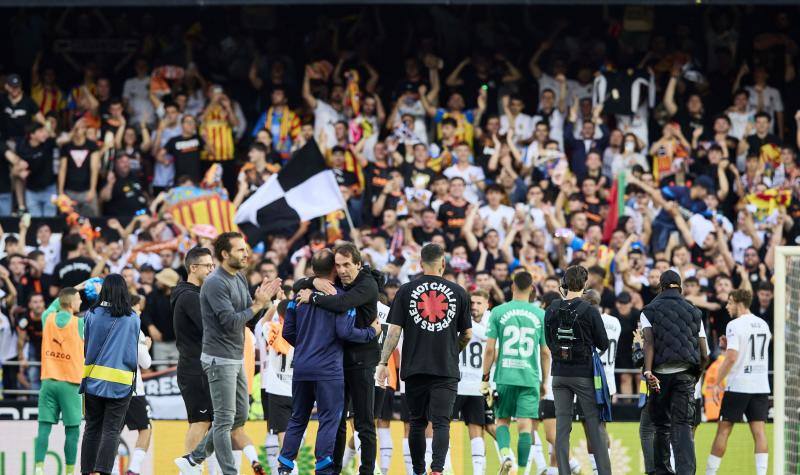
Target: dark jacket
[318,336]
[362,295]
[589,332]
[188,324]
[676,329]
[157,312]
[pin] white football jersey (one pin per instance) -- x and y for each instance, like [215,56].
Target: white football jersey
[276,367]
[613,330]
[750,337]
[470,361]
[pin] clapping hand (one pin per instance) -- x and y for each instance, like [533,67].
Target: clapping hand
[266,291]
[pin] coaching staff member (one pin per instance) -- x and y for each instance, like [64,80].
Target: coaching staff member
[188,323]
[675,354]
[361,286]
[434,313]
[574,328]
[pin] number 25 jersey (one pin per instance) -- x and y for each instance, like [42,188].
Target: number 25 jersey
[519,329]
[749,336]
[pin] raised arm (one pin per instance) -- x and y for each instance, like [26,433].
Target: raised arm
[454,79]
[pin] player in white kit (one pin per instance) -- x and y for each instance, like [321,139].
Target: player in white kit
[747,389]
[470,406]
[275,360]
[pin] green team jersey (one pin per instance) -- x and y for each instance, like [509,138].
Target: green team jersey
[518,328]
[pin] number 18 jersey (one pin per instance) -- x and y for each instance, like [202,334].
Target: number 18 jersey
[749,336]
[470,362]
[518,328]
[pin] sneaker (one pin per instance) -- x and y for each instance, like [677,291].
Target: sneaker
[187,467]
[131,472]
[574,467]
[258,469]
[506,462]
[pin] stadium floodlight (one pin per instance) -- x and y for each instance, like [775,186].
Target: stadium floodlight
[786,381]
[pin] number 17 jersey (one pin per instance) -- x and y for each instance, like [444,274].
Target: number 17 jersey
[749,336]
[518,328]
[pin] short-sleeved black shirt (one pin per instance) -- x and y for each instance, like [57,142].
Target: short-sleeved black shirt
[432,311]
[16,117]
[40,163]
[127,197]
[186,153]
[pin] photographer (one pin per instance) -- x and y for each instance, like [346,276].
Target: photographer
[573,329]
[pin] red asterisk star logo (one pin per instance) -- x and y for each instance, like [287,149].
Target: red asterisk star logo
[432,306]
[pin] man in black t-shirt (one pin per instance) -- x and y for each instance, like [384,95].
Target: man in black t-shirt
[185,150]
[75,268]
[434,314]
[122,194]
[18,110]
[453,212]
[78,171]
[39,151]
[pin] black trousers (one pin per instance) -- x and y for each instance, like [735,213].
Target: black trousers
[104,420]
[430,399]
[672,414]
[359,388]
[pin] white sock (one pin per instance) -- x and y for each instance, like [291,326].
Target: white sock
[593,463]
[478,455]
[250,453]
[136,460]
[762,463]
[213,465]
[273,450]
[237,459]
[552,470]
[428,452]
[349,453]
[407,458]
[712,464]
[385,446]
[537,453]
[574,466]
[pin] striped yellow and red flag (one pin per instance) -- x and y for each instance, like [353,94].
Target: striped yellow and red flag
[192,205]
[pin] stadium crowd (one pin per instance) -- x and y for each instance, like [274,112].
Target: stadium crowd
[638,142]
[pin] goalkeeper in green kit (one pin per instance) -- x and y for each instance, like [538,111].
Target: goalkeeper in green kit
[515,331]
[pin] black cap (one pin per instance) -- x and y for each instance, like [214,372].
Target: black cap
[705,181]
[146,268]
[13,80]
[670,280]
[624,297]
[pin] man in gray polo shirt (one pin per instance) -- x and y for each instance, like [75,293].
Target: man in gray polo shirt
[226,306]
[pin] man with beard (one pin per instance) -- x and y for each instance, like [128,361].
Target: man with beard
[361,288]
[226,307]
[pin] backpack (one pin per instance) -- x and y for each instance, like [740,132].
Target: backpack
[570,343]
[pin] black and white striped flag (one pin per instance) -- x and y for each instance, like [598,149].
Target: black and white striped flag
[304,189]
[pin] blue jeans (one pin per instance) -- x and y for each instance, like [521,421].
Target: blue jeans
[5,204]
[39,203]
[230,399]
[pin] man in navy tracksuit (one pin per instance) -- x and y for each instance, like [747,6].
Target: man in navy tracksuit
[317,337]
